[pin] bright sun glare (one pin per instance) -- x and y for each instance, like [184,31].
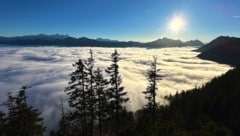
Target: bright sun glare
[176,24]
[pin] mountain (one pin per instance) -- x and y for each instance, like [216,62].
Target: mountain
[34,37]
[194,43]
[165,42]
[223,49]
[106,40]
[65,40]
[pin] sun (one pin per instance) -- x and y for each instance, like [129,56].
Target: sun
[177,24]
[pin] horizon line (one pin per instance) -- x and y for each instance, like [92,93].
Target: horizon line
[77,37]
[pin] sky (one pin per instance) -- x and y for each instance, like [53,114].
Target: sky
[137,20]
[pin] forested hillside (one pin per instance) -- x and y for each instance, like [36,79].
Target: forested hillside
[210,110]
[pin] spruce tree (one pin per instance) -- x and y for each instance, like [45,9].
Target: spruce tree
[22,119]
[82,95]
[150,93]
[101,98]
[90,91]
[78,96]
[116,94]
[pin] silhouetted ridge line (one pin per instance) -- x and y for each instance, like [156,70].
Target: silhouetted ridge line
[222,50]
[65,40]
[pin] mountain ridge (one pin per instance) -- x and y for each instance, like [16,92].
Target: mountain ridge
[223,49]
[65,40]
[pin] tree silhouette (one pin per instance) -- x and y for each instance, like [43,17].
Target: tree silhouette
[116,94]
[64,123]
[150,93]
[77,92]
[101,98]
[2,122]
[91,91]
[22,119]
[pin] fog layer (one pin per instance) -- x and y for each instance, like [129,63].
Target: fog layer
[47,69]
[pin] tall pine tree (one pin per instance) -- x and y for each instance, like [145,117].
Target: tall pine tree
[78,96]
[22,119]
[82,95]
[150,93]
[91,91]
[116,94]
[101,99]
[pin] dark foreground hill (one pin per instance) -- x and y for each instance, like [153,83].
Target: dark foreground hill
[222,50]
[65,40]
[212,110]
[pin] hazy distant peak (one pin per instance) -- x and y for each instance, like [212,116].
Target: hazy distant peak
[166,42]
[84,38]
[106,40]
[65,40]
[42,36]
[103,39]
[55,36]
[194,43]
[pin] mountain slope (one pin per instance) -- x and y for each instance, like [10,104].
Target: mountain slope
[210,110]
[223,50]
[215,104]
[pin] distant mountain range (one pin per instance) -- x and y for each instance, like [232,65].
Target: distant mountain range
[65,40]
[223,49]
[165,42]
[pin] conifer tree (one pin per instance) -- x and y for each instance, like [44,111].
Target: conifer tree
[2,123]
[22,119]
[116,94]
[150,93]
[90,91]
[101,105]
[78,96]
[82,94]
[64,123]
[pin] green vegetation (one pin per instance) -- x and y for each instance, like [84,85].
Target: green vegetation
[98,104]
[22,119]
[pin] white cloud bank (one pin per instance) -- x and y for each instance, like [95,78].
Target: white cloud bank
[46,69]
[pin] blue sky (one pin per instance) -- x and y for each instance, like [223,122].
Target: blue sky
[138,20]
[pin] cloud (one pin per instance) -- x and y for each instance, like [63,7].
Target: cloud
[236,16]
[47,70]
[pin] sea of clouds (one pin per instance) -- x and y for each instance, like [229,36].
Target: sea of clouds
[47,69]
